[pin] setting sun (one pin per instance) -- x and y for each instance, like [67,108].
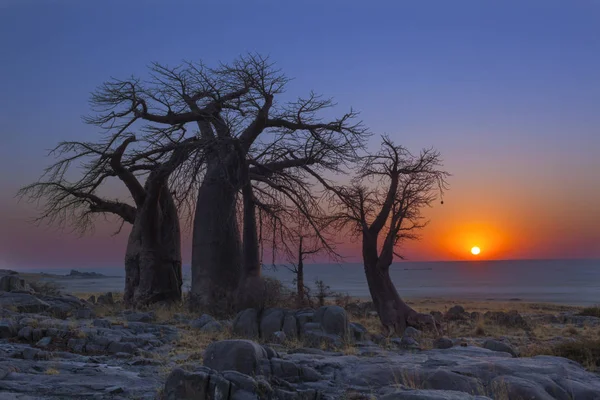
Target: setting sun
[475,250]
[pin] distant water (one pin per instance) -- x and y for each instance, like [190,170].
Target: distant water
[575,282]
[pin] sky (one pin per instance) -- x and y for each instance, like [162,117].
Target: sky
[508,91]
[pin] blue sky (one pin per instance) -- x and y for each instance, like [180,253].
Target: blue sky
[509,91]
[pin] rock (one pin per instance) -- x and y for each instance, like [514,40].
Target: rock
[37,334]
[183,385]
[285,370]
[114,390]
[513,387]
[334,320]
[102,323]
[106,299]
[246,324]
[443,343]
[77,345]
[200,322]
[7,329]
[496,345]
[118,347]
[358,332]
[408,342]
[318,338]
[44,342]
[84,313]
[29,353]
[212,327]
[240,381]
[290,326]
[23,302]
[13,282]
[430,395]
[412,332]
[303,317]
[244,356]
[25,333]
[140,316]
[271,353]
[279,337]
[92,299]
[271,322]
[455,313]
[309,374]
[475,315]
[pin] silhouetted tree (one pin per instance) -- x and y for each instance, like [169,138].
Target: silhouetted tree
[253,144]
[153,256]
[385,213]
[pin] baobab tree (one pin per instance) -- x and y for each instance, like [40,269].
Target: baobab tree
[153,257]
[254,144]
[383,207]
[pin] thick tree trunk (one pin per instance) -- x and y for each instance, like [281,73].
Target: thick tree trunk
[251,291]
[395,315]
[153,259]
[216,245]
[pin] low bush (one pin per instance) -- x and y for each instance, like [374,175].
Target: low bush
[591,311]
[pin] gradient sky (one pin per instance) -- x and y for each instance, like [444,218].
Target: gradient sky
[508,91]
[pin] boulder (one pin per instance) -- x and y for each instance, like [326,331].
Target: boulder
[290,326]
[358,332]
[25,333]
[303,317]
[244,356]
[334,320]
[84,313]
[443,343]
[271,322]
[37,334]
[102,323]
[496,345]
[413,333]
[212,327]
[8,329]
[246,324]
[106,299]
[200,322]
[23,302]
[44,342]
[279,337]
[430,395]
[140,316]
[183,385]
[13,282]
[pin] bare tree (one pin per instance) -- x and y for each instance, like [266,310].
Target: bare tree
[248,136]
[153,256]
[383,206]
[302,240]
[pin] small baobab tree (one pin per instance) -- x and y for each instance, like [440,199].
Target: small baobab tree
[383,207]
[153,257]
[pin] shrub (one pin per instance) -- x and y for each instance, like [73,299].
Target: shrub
[591,311]
[585,352]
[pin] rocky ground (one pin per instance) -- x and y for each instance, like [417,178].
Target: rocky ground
[65,347]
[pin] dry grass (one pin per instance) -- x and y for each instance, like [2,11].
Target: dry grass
[52,371]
